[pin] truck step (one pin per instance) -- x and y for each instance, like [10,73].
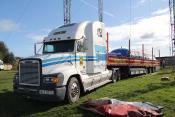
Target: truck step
[98,85]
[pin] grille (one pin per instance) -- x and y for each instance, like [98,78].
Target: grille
[29,72]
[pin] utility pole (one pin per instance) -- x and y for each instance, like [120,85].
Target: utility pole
[159,53]
[67,12]
[100,10]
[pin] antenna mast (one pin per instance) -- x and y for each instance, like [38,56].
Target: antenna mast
[172,21]
[100,10]
[67,12]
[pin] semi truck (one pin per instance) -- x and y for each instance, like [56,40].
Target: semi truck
[74,60]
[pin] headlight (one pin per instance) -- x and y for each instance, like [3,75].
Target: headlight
[54,79]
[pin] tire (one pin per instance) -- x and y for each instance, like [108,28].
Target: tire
[114,76]
[73,90]
[118,75]
[146,71]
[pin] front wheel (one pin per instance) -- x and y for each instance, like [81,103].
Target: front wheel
[73,90]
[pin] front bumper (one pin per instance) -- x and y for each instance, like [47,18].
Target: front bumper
[34,93]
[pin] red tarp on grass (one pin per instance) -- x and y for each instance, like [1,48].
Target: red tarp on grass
[116,108]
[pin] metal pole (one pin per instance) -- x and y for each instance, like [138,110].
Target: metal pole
[100,10]
[107,42]
[67,12]
[129,51]
[35,49]
[152,55]
[129,48]
[143,51]
[143,55]
[107,46]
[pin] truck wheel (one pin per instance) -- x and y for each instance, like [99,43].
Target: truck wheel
[118,75]
[73,90]
[114,76]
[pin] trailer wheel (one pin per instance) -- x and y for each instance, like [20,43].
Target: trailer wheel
[118,75]
[73,90]
[115,75]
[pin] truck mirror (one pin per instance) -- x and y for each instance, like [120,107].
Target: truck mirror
[37,48]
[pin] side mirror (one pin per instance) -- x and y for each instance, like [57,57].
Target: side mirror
[37,48]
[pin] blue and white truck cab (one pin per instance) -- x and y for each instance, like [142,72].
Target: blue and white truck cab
[73,61]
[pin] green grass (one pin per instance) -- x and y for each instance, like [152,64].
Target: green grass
[144,88]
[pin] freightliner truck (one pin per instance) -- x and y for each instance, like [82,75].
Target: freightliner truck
[73,61]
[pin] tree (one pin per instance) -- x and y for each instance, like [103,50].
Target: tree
[1,56]
[3,50]
[9,58]
[5,55]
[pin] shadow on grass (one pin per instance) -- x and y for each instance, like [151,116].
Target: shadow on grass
[14,106]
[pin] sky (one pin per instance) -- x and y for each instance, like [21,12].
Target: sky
[25,22]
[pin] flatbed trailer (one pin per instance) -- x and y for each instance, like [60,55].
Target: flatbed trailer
[128,66]
[132,66]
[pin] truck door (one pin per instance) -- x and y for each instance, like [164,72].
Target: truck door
[81,57]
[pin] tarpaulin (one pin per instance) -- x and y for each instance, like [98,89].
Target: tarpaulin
[116,108]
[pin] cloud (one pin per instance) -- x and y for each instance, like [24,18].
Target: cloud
[92,6]
[142,1]
[38,36]
[151,31]
[147,35]
[161,11]
[8,25]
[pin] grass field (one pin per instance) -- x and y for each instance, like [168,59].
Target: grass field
[144,88]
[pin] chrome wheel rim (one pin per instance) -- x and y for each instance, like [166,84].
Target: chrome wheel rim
[74,90]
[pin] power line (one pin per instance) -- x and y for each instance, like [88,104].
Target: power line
[21,16]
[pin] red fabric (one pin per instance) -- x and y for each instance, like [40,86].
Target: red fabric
[125,110]
[120,110]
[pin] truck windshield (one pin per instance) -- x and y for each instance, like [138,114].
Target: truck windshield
[59,46]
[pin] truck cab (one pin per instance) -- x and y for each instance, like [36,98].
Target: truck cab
[73,61]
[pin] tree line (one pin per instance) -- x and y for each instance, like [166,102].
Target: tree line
[5,55]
